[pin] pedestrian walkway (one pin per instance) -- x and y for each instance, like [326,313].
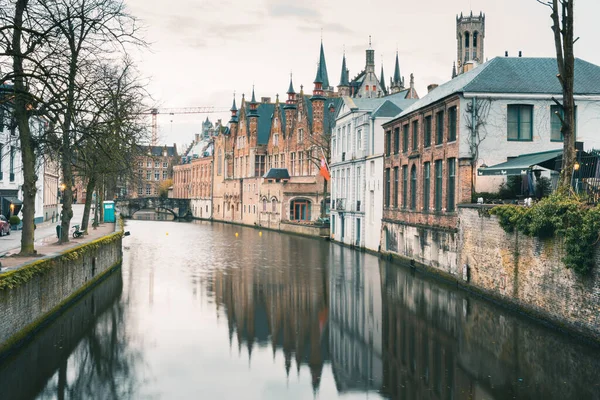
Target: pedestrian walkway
[49,247]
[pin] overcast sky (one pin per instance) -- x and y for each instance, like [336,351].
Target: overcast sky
[202,51]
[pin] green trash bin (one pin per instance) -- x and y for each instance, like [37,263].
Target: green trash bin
[109,211]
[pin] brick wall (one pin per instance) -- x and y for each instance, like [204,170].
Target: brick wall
[528,272]
[27,305]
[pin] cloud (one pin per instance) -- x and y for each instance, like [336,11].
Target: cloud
[326,27]
[310,16]
[285,9]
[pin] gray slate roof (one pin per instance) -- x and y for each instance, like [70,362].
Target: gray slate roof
[277,173]
[514,75]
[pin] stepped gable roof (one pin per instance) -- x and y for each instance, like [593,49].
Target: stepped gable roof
[157,151]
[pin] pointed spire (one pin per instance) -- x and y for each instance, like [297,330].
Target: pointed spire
[253,104]
[453,70]
[233,107]
[382,80]
[344,81]
[323,69]
[397,78]
[291,88]
[253,97]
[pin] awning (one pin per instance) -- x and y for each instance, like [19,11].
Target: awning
[14,200]
[521,164]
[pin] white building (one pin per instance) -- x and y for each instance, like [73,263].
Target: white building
[357,168]
[11,169]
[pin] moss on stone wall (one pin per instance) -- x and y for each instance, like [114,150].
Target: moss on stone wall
[18,277]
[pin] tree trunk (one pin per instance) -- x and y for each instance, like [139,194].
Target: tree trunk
[101,201]
[89,190]
[27,150]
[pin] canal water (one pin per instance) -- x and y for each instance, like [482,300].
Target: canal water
[214,311]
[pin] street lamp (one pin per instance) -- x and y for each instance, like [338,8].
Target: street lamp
[62,192]
[12,209]
[575,168]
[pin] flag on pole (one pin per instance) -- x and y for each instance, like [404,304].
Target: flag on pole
[324,170]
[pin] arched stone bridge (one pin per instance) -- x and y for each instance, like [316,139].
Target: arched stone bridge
[180,208]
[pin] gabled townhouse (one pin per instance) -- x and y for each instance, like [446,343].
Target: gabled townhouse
[434,149]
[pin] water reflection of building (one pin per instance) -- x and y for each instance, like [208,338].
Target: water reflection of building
[284,307]
[355,321]
[438,343]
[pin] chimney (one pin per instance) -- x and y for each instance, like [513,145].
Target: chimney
[265,100]
[431,87]
[520,53]
[506,54]
[197,137]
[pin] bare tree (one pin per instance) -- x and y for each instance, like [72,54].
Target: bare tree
[476,119]
[562,27]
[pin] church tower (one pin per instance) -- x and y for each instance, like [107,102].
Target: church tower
[470,37]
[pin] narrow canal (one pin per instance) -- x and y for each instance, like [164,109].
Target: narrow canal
[215,311]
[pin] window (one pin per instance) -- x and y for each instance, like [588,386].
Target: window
[427,138]
[555,124]
[387,187]
[396,140]
[450,190]
[140,191]
[148,175]
[259,165]
[359,139]
[264,204]
[165,165]
[467,37]
[293,164]
[300,210]
[426,185]
[300,133]
[140,164]
[276,139]
[276,158]
[396,186]
[283,160]
[148,190]
[156,164]
[164,174]
[475,39]
[404,185]
[156,175]
[273,205]
[520,126]
[415,135]
[413,188]
[301,162]
[149,164]
[405,138]
[438,185]
[439,136]
[220,162]
[452,124]
[388,143]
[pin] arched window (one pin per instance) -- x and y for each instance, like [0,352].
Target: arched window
[475,35]
[413,188]
[467,37]
[274,205]
[300,210]
[264,204]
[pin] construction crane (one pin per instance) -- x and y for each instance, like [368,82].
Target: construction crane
[177,111]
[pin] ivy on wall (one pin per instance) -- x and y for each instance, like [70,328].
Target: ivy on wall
[562,216]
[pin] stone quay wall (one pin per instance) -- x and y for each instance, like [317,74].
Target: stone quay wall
[528,273]
[32,294]
[522,272]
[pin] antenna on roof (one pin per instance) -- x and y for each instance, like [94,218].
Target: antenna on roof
[369,41]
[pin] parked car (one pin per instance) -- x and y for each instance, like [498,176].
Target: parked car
[4,226]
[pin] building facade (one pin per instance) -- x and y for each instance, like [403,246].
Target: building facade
[437,150]
[192,179]
[154,169]
[267,160]
[357,168]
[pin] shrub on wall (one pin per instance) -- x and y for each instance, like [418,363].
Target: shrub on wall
[558,215]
